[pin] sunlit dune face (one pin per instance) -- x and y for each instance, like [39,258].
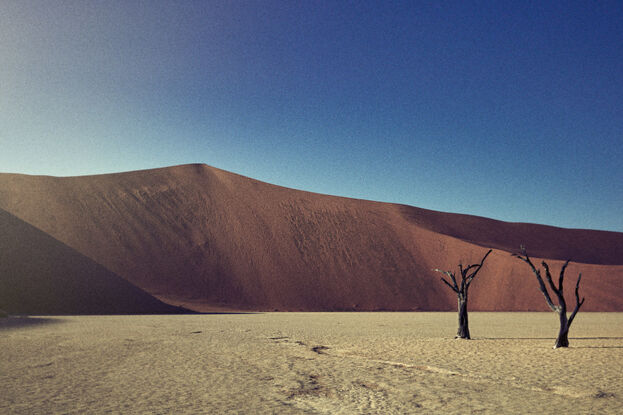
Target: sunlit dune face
[210,240]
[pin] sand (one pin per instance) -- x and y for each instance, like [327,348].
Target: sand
[206,239]
[310,363]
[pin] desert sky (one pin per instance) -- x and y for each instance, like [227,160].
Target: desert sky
[502,109]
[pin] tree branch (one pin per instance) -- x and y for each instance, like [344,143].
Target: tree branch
[449,285]
[561,308]
[477,266]
[451,275]
[562,276]
[578,303]
[468,268]
[536,272]
[550,281]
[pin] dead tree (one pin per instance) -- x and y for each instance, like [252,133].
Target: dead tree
[467,276]
[561,308]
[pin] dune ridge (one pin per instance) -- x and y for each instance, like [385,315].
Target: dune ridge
[207,239]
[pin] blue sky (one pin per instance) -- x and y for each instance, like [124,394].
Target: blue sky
[510,110]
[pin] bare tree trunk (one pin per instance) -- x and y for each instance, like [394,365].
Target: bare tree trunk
[563,338]
[463,332]
[467,276]
[563,333]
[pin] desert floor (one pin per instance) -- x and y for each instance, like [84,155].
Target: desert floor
[295,363]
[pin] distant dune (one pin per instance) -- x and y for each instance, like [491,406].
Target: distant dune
[209,240]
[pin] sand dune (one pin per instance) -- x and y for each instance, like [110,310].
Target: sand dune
[44,276]
[207,239]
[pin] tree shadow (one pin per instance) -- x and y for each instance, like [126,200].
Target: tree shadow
[596,347]
[596,338]
[547,338]
[513,338]
[570,338]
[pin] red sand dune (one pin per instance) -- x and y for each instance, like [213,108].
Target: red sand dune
[40,275]
[207,239]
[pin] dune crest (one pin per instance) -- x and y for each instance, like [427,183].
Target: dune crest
[207,239]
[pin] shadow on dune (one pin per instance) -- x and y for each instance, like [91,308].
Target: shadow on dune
[209,240]
[14,322]
[40,275]
[580,245]
[226,313]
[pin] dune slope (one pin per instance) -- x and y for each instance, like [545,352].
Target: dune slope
[40,275]
[207,239]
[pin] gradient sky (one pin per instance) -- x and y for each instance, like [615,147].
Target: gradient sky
[509,110]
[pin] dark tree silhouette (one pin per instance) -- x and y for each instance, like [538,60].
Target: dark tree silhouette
[467,276]
[561,308]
